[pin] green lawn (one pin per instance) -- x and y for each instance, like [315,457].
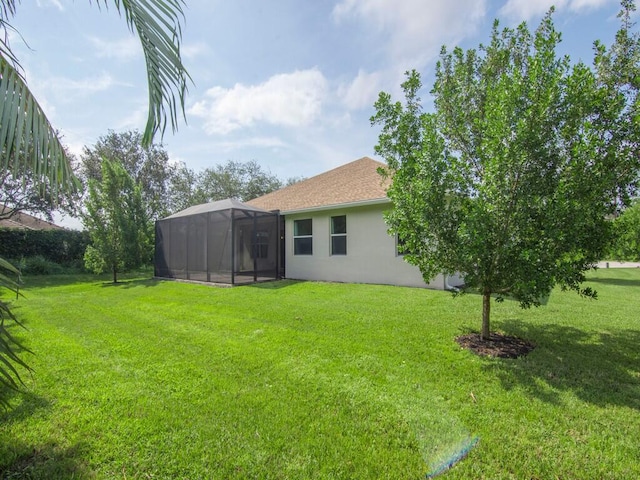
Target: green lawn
[165,380]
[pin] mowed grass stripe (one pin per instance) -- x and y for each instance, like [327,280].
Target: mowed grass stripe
[312,380]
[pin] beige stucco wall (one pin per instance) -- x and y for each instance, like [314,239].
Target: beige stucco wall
[371,251]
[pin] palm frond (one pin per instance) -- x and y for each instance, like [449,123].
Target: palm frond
[7,9]
[27,139]
[158,25]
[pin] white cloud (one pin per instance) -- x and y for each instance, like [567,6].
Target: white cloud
[55,3]
[136,119]
[362,92]
[75,148]
[522,10]
[193,50]
[287,99]
[415,29]
[577,5]
[86,86]
[47,107]
[75,139]
[126,48]
[261,142]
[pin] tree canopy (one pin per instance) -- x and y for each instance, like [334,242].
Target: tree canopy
[510,179]
[23,190]
[233,179]
[148,166]
[626,240]
[243,181]
[116,221]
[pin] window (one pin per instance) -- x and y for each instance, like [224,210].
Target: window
[339,235]
[303,237]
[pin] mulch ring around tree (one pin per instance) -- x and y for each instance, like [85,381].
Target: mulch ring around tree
[498,345]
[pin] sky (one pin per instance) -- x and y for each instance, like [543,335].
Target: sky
[289,83]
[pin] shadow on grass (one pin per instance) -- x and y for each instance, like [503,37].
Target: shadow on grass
[602,368]
[29,404]
[38,281]
[138,282]
[49,461]
[620,282]
[273,284]
[14,338]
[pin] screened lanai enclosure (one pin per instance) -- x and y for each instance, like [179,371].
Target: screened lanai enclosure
[224,242]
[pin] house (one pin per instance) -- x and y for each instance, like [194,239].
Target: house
[334,229]
[23,221]
[327,228]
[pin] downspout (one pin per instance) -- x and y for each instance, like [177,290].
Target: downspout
[277,213]
[233,249]
[206,251]
[254,247]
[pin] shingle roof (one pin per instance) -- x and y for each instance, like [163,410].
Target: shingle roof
[358,181]
[217,206]
[24,221]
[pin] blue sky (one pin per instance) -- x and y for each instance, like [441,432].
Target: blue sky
[289,84]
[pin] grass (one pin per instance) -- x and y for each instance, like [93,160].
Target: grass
[286,380]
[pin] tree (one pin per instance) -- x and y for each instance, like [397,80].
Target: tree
[23,190]
[626,227]
[28,142]
[503,182]
[116,221]
[20,193]
[292,180]
[616,119]
[183,188]
[243,181]
[148,166]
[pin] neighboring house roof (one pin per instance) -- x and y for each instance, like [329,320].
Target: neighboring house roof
[355,183]
[220,205]
[24,221]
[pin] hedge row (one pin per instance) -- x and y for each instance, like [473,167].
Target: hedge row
[64,247]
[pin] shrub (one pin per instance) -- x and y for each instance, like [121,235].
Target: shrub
[626,244]
[63,247]
[38,265]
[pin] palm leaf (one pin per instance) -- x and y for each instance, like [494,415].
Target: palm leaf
[158,25]
[27,139]
[7,9]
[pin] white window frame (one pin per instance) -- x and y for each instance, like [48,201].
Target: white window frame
[336,235]
[299,237]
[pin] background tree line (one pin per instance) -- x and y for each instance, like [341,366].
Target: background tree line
[124,188]
[151,186]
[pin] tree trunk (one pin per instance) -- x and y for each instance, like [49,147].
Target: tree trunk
[486,313]
[115,273]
